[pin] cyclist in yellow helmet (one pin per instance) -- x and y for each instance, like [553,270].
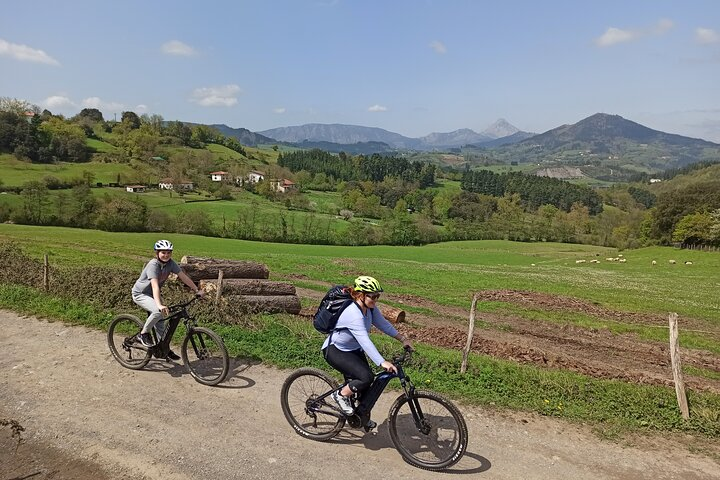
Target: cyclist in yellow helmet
[345,348]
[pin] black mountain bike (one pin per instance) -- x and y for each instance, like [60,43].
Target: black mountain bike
[426,428]
[203,351]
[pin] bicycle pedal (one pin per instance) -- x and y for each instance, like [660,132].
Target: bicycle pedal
[370,425]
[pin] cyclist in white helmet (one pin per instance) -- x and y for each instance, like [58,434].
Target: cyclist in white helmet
[345,348]
[146,291]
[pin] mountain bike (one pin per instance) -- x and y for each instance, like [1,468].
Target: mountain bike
[203,351]
[426,428]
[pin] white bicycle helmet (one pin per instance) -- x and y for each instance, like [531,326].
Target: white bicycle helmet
[163,245]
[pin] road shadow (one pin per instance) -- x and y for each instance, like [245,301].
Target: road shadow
[234,379]
[177,369]
[380,439]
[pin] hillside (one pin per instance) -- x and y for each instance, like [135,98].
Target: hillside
[604,147]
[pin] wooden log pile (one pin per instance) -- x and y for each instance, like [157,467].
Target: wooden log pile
[242,282]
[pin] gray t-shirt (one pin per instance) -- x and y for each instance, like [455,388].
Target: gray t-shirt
[154,269]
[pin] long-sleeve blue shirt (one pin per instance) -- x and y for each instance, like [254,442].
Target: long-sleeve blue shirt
[353,329]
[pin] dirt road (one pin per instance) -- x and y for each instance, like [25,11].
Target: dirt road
[87,417]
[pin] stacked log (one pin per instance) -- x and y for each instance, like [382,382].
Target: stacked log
[199,268]
[248,286]
[242,282]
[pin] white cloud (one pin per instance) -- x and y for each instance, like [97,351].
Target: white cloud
[223,96]
[377,108]
[279,110]
[104,106]
[706,36]
[438,46]
[663,25]
[613,36]
[176,47]
[58,102]
[25,53]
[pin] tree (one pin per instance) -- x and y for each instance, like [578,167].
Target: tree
[82,206]
[130,119]
[65,140]
[92,114]
[122,214]
[17,106]
[694,229]
[36,199]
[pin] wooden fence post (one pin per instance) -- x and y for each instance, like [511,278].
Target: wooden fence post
[219,287]
[46,273]
[471,332]
[677,366]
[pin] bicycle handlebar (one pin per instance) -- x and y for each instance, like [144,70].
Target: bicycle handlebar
[404,357]
[182,306]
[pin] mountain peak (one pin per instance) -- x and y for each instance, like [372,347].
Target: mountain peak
[501,128]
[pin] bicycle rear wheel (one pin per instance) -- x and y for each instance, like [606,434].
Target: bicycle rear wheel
[124,345]
[309,417]
[442,436]
[205,356]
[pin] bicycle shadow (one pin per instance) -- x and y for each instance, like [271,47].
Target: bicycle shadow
[380,439]
[177,369]
[234,379]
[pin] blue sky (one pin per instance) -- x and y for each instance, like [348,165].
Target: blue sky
[411,67]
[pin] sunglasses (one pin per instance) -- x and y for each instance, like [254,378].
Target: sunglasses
[373,296]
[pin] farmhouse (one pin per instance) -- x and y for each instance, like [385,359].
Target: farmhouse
[170,184]
[218,176]
[135,188]
[283,185]
[255,176]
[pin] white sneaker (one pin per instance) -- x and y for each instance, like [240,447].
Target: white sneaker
[343,402]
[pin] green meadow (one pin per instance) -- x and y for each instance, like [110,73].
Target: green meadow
[446,273]
[15,172]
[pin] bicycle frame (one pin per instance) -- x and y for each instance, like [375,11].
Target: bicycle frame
[162,348]
[370,397]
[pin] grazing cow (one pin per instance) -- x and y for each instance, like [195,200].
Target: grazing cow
[688,263]
[671,262]
[654,262]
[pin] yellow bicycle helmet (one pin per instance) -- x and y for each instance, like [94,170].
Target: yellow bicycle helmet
[366,284]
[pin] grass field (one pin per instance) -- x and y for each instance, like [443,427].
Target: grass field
[447,273]
[16,173]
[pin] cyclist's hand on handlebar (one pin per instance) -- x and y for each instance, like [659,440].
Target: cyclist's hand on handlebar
[200,293]
[408,346]
[388,366]
[165,310]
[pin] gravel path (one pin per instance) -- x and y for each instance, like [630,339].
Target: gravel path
[86,417]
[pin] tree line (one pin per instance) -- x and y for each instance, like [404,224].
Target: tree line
[534,191]
[374,168]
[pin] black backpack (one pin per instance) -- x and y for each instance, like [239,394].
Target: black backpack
[335,301]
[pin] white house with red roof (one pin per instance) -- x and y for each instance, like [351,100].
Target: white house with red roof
[218,176]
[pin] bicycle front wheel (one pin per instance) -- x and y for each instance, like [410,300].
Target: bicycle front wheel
[310,417]
[124,345]
[205,356]
[428,430]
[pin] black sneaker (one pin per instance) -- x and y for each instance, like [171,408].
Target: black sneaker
[173,356]
[146,339]
[370,425]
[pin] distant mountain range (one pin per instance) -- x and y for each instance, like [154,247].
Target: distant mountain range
[352,134]
[606,143]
